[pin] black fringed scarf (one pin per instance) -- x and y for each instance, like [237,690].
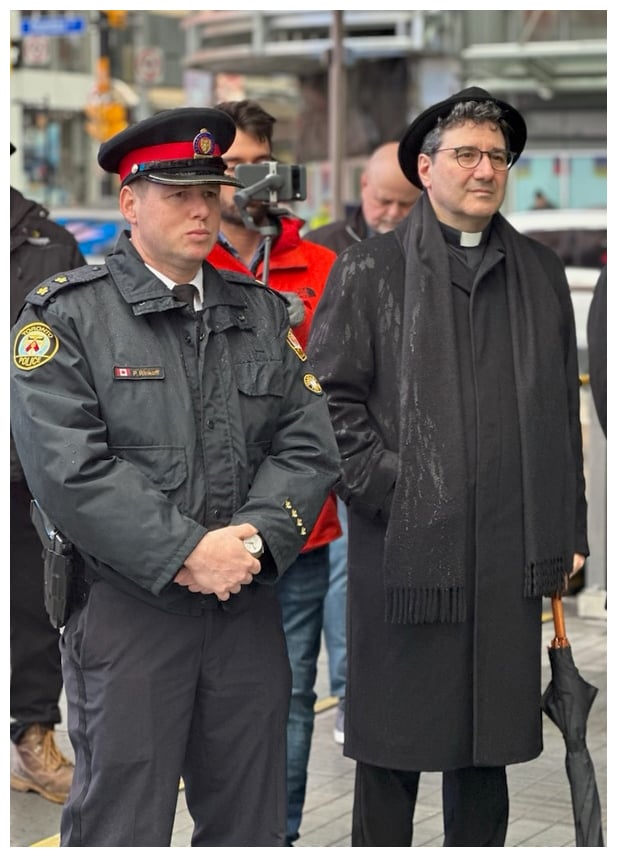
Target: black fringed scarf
[424,561]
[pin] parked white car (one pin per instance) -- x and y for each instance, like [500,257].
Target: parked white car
[578,235]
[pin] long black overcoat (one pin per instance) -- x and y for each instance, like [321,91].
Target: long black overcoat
[436,696]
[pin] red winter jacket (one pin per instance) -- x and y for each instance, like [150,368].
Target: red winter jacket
[302,267]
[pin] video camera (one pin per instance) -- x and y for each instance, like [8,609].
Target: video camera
[270,182]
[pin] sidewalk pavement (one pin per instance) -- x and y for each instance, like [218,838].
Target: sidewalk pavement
[540,805]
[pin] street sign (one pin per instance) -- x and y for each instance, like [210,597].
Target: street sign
[149,66]
[36,50]
[53,25]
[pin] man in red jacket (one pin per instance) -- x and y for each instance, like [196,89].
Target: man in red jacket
[299,269]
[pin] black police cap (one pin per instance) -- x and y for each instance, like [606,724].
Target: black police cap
[183,146]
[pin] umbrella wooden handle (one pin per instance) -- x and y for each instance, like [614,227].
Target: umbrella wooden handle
[560,641]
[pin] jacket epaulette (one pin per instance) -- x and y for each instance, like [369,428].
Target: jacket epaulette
[41,294]
[238,278]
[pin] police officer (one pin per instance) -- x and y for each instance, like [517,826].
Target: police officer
[180,440]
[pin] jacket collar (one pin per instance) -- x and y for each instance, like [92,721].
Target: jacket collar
[147,293]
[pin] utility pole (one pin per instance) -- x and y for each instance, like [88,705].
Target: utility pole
[337,107]
[106,116]
[140,42]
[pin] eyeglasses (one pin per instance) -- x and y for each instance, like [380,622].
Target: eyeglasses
[468,157]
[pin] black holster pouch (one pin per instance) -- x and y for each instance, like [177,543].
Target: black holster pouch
[60,580]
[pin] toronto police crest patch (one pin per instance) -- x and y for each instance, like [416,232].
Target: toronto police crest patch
[35,344]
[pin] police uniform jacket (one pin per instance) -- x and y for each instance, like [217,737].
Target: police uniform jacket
[142,425]
[296,265]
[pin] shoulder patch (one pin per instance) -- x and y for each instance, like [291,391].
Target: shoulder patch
[295,346]
[35,344]
[41,294]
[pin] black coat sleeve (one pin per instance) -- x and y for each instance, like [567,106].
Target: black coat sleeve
[344,348]
[596,343]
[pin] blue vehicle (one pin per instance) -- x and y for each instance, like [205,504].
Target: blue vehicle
[96,229]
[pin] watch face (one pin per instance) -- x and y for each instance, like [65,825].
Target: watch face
[254,545]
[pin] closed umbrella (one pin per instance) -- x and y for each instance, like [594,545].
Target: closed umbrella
[567,701]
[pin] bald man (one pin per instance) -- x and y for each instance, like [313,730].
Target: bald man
[386,197]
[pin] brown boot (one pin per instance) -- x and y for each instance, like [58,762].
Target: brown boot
[37,765]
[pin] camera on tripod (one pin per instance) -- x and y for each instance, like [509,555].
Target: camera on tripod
[271,182]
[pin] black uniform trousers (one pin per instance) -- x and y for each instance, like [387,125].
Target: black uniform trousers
[154,696]
[36,674]
[475,807]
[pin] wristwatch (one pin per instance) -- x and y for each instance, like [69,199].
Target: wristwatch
[254,545]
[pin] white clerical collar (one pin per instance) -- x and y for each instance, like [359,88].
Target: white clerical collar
[197,281]
[470,239]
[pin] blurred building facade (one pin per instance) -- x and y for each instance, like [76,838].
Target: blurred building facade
[78,76]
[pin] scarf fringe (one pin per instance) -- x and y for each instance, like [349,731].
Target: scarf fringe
[422,606]
[546,577]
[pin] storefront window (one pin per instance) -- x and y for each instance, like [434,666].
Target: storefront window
[51,160]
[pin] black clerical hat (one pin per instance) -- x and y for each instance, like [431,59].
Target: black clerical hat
[411,142]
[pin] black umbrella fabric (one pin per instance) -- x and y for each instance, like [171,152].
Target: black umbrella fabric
[567,701]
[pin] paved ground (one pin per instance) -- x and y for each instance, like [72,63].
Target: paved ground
[540,808]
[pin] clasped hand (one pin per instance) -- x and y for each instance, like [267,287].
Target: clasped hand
[220,564]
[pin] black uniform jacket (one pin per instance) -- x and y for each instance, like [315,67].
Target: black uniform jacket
[141,425]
